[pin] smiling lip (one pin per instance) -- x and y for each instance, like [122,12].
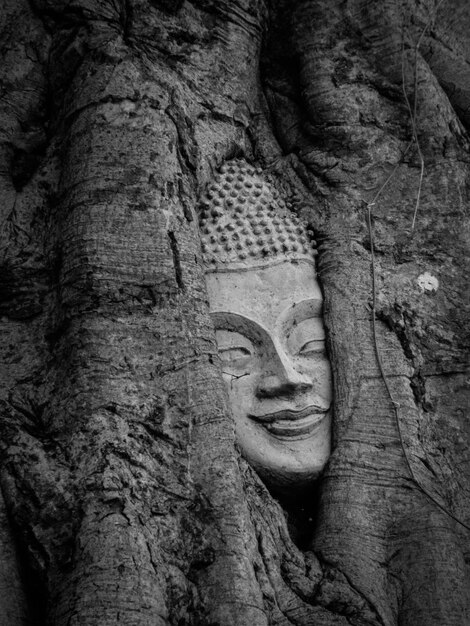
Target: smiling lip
[290,423]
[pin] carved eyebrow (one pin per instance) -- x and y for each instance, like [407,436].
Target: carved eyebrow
[226,320]
[300,311]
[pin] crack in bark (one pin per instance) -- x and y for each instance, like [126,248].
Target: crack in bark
[176,260]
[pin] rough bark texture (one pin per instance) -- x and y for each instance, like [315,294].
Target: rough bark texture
[122,487]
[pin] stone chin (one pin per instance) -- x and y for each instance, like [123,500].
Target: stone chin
[288,462]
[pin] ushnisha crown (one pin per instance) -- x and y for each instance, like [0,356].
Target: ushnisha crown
[244,222]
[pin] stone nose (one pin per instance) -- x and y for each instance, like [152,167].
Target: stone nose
[273,386]
[281,379]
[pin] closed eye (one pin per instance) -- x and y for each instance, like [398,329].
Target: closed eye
[311,348]
[237,355]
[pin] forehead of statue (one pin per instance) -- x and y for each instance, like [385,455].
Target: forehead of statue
[265,294]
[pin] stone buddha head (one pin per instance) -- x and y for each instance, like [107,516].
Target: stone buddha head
[266,305]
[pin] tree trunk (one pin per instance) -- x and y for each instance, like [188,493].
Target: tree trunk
[125,497]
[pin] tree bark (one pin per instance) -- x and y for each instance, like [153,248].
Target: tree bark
[124,491]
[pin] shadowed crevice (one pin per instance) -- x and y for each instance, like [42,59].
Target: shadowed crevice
[176,260]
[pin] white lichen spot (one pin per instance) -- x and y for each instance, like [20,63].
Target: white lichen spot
[118,113]
[428,283]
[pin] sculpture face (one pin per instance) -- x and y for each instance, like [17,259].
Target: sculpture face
[270,337]
[266,304]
